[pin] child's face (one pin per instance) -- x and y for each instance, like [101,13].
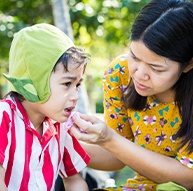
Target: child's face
[64,88]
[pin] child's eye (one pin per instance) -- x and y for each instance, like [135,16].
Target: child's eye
[78,85]
[67,84]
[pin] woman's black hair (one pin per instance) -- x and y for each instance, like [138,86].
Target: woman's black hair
[166,28]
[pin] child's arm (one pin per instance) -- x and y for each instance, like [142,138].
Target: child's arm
[2,175]
[75,182]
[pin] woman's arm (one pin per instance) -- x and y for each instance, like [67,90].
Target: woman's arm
[75,182]
[2,183]
[102,159]
[152,165]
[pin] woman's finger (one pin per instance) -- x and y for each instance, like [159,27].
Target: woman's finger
[89,118]
[82,122]
[81,136]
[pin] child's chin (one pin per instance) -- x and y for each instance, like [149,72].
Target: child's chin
[62,120]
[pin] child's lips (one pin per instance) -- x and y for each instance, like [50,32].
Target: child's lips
[69,110]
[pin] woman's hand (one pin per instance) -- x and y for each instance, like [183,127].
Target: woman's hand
[91,129]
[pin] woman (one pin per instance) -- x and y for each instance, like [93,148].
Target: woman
[148,101]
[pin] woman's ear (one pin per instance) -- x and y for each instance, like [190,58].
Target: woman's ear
[189,67]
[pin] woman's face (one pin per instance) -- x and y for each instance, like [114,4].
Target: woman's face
[152,74]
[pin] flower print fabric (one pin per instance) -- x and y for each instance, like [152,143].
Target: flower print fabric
[70,122]
[153,128]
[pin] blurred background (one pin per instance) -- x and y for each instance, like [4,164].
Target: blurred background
[101,27]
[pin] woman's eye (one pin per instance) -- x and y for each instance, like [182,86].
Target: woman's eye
[155,70]
[135,58]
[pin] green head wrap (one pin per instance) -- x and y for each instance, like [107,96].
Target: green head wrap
[34,52]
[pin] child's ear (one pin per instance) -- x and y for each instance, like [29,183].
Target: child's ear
[189,67]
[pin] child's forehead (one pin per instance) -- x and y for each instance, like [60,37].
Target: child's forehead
[71,67]
[60,75]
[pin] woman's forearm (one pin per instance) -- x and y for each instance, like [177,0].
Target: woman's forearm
[152,165]
[101,159]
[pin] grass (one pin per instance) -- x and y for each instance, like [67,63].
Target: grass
[122,176]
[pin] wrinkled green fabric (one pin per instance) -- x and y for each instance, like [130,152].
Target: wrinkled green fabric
[34,52]
[170,186]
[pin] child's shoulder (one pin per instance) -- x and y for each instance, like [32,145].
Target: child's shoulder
[7,105]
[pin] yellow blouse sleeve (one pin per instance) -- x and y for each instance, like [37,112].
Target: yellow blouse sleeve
[116,79]
[184,157]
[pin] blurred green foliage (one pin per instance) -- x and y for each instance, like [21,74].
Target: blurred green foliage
[102,27]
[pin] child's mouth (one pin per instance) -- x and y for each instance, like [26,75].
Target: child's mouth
[68,110]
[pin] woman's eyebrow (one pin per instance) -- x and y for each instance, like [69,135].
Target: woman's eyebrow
[155,65]
[132,52]
[158,65]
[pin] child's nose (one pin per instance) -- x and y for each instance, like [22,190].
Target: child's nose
[74,94]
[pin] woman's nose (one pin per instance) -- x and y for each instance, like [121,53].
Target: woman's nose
[142,72]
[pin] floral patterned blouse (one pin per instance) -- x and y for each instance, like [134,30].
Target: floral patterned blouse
[151,128]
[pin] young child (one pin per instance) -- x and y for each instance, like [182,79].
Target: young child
[45,72]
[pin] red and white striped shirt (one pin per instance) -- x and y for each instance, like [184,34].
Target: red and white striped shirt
[32,162]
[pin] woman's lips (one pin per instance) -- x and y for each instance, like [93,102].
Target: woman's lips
[140,86]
